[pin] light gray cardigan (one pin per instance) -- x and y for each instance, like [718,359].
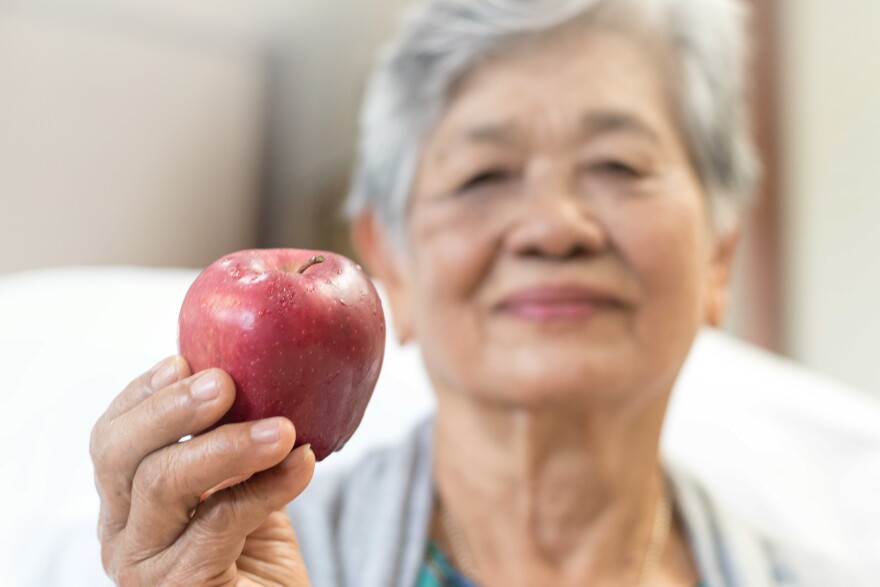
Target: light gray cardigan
[368,527]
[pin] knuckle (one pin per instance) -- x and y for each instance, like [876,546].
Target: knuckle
[172,403]
[177,404]
[107,452]
[96,444]
[107,557]
[219,518]
[243,505]
[220,444]
[213,449]
[137,389]
[110,559]
[107,560]
[169,411]
[152,479]
[108,528]
[141,381]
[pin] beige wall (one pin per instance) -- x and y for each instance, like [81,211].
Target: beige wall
[319,75]
[123,121]
[130,131]
[831,153]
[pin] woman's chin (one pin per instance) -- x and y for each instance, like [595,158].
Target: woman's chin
[548,374]
[540,391]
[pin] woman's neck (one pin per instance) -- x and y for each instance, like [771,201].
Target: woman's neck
[557,495]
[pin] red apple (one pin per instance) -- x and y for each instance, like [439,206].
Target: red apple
[302,334]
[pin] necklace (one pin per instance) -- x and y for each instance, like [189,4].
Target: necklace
[659,536]
[650,561]
[457,541]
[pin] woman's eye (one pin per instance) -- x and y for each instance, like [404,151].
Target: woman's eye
[615,169]
[486,178]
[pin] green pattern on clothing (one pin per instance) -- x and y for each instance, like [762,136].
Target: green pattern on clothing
[437,571]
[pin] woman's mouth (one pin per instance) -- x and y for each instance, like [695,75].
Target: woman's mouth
[552,303]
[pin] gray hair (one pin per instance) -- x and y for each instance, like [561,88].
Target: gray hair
[443,39]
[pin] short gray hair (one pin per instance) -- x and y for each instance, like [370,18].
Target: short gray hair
[443,39]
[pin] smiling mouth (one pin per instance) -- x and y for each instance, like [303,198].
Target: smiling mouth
[548,304]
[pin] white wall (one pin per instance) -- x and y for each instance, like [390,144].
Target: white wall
[831,151]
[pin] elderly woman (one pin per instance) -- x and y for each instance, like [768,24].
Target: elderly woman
[549,192]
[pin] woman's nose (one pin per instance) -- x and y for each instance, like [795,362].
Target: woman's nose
[559,226]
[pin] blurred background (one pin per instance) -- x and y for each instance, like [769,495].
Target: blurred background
[169,132]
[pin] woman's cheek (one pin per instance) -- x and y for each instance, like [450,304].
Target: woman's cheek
[453,256]
[662,249]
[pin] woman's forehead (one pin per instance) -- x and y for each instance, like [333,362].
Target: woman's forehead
[595,82]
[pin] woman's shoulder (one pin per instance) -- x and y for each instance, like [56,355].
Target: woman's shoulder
[734,550]
[368,520]
[389,468]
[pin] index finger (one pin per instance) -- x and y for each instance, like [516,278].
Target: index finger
[167,371]
[163,374]
[119,444]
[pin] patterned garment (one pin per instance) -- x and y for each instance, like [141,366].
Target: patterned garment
[437,571]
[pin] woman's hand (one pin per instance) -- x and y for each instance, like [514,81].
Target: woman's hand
[163,519]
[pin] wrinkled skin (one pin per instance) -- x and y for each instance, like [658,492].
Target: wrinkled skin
[207,511]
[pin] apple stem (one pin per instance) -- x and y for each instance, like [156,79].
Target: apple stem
[310,262]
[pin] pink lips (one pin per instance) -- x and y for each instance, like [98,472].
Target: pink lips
[545,304]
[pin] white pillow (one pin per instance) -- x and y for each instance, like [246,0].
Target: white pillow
[790,451]
[794,453]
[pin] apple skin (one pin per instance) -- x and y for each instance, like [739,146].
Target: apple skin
[307,346]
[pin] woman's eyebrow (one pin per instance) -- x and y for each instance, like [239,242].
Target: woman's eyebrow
[503,133]
[601,122]
[493,133]
[606,122]
[592,123]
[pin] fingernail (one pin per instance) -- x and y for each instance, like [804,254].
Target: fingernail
[266,431]
[206,387]
[165,375]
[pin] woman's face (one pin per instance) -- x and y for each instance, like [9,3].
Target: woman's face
[559,244]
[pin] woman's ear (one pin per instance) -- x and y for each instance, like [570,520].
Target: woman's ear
[374,247]
[718,286]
